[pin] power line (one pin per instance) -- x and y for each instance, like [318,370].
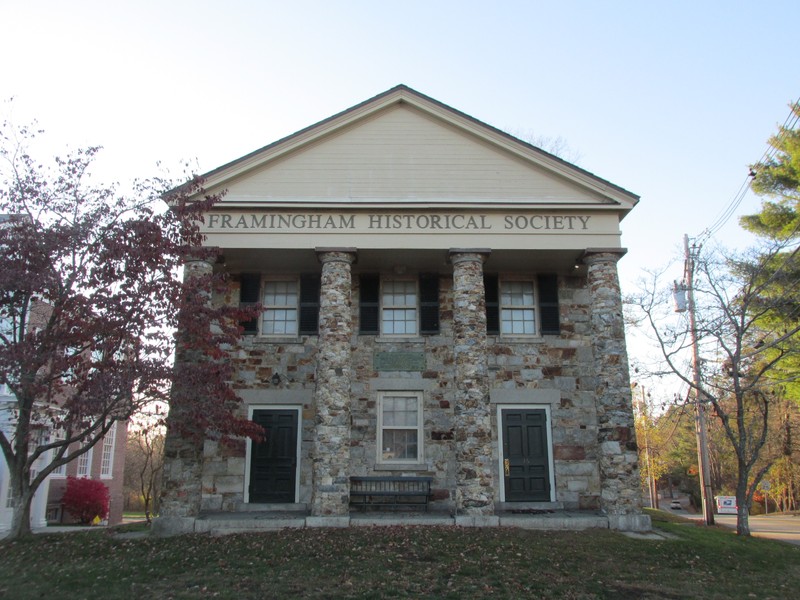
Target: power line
[788,124]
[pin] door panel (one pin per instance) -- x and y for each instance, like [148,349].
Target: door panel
[273,461]
[526,457]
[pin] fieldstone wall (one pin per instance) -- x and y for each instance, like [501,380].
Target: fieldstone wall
[617,457]
[436,383]
[564,366]
[473,420]
[256,360]
[571,367]
[331,456]
[181,492]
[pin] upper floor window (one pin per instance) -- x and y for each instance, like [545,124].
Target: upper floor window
[522,307]
[85,463]
[61,470]
[291,306]
[399,307]
[280,308]
[517,308]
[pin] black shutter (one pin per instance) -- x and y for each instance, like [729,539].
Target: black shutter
[429,303]
[491,292]
[369,304]
[249,292]
[548,304]
[309,304]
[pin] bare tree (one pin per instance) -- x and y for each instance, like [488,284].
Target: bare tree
[741,353]
[144,463]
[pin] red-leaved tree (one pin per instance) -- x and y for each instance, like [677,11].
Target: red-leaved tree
[90,297]
[86,499]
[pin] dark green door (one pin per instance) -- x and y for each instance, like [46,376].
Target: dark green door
[273,462]
[526,462]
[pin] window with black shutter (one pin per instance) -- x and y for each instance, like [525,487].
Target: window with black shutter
[369,304]
[249,292]
[309,304]
[491,292]
[511,306]
[548,304]
[429,303]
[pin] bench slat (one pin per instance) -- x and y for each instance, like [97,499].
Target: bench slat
[387,487]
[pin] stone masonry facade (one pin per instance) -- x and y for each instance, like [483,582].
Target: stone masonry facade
[580,375]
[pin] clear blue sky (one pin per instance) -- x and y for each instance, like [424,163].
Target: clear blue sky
[670,100]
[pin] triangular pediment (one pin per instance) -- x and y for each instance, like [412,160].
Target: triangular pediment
[403,148]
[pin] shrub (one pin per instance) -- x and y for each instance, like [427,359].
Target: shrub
[86,499]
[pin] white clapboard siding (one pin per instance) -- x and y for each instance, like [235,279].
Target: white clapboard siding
[403,153]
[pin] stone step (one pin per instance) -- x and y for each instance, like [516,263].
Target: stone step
[250,522]
[555,521]
[272,507]
[241,523]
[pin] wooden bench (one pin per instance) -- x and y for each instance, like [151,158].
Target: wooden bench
[391,492]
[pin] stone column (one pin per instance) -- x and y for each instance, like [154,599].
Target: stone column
[331,457]
[181,489]
[620,487]
[472,414]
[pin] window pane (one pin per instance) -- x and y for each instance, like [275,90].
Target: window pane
[400,411]
[399,444]
[519,321]
[399,321]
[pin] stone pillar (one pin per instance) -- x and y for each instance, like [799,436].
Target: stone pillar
[621,497]
[181,489]
[472,413]
[331,457]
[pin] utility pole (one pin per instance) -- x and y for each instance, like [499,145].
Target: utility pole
[652,484]
[700,417]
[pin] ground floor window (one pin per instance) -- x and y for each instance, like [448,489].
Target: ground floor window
[400,427]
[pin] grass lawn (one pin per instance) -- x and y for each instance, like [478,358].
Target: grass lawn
[400,562]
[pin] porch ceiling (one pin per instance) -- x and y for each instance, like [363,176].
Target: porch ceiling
[237,260]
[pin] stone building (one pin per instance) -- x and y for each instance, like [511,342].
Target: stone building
[440,299]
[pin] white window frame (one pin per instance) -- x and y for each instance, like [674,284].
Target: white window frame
[107,456]
[273,307]
[384,308]
[60,471]
[534,307]
[84,464]
[419,428]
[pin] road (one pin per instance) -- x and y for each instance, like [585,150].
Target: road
[774,527]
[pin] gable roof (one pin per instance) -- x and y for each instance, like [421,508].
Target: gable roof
[517,157]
